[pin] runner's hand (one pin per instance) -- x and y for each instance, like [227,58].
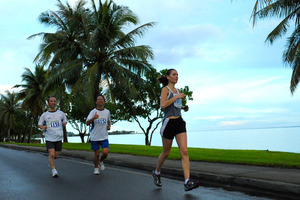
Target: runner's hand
[96,115]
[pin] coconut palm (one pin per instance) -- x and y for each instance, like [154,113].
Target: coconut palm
[62,49]
[111,56]
[10,105]
[63,44]
[34,93]
[289,11]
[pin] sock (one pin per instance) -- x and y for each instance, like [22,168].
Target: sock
[156,172]
[186,180]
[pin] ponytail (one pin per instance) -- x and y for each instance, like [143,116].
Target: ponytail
[163,79]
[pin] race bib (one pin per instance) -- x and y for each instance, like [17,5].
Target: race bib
[54,124]
[101,121]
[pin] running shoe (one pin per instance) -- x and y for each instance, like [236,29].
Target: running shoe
[157,181]
[102,167]
[191,185]
[54,173]
[96,171]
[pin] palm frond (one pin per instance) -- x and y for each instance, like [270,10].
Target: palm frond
[279,31]
[295,74]
[293,44]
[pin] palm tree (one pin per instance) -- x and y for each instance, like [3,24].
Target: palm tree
[10,105]
[289,11]
[64,44]
[34,93]
[111,56]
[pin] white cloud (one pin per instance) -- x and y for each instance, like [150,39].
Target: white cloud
[232,123]
[257,111]
[215,117]
[262,82]
[236,88]
[210,118]
[8,87]
[171,44]
[73,2]
[7,57]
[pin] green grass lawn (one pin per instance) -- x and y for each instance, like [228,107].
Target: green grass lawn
[247,157]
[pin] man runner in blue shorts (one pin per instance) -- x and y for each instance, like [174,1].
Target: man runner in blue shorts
[99,117]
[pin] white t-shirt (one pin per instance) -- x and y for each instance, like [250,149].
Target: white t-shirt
[53,121]
[99,125]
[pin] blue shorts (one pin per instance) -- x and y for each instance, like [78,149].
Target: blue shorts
[95,145]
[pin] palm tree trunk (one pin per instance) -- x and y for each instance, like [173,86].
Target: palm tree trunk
[62,108]
[19,137]
[1,138]
[8,135]
[30,132]
[24,134]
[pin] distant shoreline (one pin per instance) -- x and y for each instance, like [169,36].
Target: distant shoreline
[256,128]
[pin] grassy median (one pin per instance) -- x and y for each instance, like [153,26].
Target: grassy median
[246,157]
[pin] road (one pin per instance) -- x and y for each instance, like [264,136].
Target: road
[26,175]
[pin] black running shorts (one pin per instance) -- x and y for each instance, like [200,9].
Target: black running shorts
[54,145]
[171,127]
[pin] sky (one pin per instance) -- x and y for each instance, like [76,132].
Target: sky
[238,80]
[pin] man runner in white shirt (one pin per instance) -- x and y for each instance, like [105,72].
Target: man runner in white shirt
[99,117]
[52,123]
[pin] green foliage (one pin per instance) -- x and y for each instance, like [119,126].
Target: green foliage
[33,91]
[10,107]
[79,109]
[188,95]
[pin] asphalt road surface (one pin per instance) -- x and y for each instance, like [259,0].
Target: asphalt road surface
[26,175]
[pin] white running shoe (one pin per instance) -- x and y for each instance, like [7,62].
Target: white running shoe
[102,167]
[96,171]
[54,173]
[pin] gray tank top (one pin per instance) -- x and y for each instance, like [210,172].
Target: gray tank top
[175,108]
